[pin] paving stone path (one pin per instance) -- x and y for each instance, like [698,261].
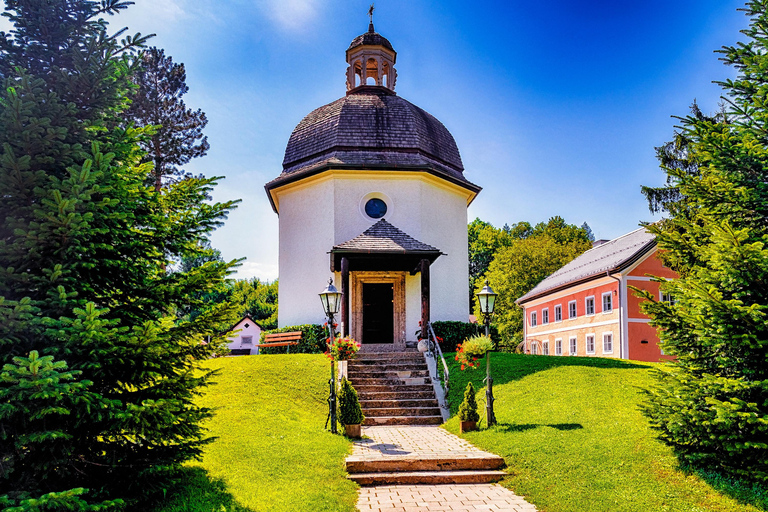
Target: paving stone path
[440,498]
[411,448]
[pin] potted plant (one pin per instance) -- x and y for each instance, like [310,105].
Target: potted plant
[468,416]
[350,412]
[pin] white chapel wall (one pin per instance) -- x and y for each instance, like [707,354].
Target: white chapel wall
[327,211]
[444,225]
[306,236]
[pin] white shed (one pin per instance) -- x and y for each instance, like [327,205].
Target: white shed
[248,337]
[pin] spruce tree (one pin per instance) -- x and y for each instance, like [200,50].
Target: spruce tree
[711,403]
[83,247]
[468,407]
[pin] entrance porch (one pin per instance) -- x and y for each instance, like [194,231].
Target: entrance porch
[374,268]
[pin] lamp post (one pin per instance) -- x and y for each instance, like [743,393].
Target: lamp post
[487,299]
[331,299]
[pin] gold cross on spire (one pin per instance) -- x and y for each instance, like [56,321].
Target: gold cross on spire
[370,12]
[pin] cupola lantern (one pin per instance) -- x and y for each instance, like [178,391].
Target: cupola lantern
[371,60]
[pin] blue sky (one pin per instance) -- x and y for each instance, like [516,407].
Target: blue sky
[556,106]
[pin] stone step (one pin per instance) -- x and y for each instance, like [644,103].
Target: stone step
[382,404]
[401,411]
[467,461]
[366,363]
[427,477]
[388,356]
[389,381]
[389,388]
[403,420]
[396,395]
[383,367]
[386,374]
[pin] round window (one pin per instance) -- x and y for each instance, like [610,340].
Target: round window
[375,208]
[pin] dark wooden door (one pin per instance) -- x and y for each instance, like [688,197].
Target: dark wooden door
[378,313]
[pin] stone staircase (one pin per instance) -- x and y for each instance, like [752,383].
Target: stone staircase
[402,443]
[394,388]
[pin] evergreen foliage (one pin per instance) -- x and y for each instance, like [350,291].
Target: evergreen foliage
[468,407]
[36,394]
[350,412]
[83,247]
[178,131]
[711,403]
[588,231]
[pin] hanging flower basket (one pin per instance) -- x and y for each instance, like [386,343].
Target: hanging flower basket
[342,349]
[472,349]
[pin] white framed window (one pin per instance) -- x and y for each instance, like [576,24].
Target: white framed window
[572,309]
[533,319]
[590,343]
[246,340]
[607,343]
[558,313]
[572,346]
[558,347]
[607,302]
[544,316]
[589,305]
[545,347]
[534,348]
[667,297]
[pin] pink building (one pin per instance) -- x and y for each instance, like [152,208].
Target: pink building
[587,308]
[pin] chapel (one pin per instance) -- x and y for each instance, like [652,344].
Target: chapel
[373,193]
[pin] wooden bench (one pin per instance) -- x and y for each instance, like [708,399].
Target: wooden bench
[281,339]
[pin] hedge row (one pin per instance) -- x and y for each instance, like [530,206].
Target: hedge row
[312,340]
[454,333]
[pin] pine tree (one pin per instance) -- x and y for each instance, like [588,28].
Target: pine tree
[178,135]
[711,404]
[468,407]
[588,230]
[83,245]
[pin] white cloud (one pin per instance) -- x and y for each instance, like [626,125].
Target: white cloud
[264,271]
[289,14]
[168,10]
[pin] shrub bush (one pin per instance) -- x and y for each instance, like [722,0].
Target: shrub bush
[468,407]
[350,412]
[454,333]
[312,341]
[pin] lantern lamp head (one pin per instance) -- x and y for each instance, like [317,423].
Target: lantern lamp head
[331,299]
[487,299]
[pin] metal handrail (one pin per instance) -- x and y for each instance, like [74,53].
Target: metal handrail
[434,348]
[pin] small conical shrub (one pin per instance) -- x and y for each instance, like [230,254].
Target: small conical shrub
[350,412]
[468,408]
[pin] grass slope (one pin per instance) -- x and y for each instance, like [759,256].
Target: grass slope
[572,434]
[271,452]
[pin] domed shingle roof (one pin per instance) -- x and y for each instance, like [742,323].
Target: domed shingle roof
[372,128]
[370,38]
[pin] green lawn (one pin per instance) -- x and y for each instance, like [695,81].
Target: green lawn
[574,439]
[272,452]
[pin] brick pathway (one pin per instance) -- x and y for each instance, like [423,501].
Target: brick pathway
[439,498]
[414,442]
[409,441]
